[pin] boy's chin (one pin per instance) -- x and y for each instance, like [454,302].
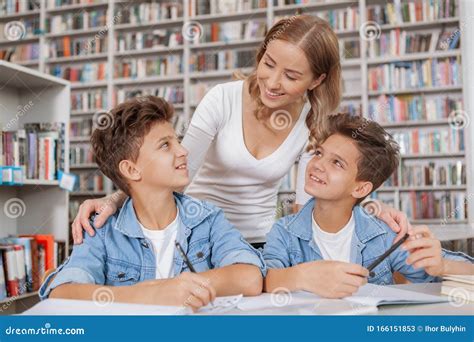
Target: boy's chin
[319,194]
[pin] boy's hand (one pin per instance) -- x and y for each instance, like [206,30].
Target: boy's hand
[425,251]
[332,279]
[187,289]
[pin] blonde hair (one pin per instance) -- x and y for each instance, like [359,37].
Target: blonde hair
[320,44]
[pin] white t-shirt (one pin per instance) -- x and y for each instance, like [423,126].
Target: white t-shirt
[335,246]
[163,243]
[225,173]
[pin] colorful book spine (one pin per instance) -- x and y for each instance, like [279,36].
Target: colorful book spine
[89,100]
[172,94]
[149,67]
[221,60]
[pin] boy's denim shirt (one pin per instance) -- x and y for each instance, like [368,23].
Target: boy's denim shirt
[119,254]
[290,242]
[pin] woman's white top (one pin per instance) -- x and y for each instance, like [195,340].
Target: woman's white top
[225,173]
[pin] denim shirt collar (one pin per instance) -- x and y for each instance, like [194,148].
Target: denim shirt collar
[367,227]
[191,213]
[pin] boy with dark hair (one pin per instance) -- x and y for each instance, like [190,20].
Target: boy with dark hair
[326,247]
[135,255]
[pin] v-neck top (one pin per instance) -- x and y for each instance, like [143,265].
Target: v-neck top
[225,172]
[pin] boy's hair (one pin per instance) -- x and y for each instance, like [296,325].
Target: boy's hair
[379,152]
[123,134]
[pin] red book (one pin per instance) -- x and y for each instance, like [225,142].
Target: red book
[47,241]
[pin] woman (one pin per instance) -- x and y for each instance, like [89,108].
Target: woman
[246,135]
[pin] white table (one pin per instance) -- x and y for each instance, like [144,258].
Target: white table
[87,307]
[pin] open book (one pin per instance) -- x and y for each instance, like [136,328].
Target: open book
[368,296]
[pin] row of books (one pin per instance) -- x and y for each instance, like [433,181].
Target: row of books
[28,27]
[18,6]
[398,12]
[433,173]
[450,205]
[221,60]
[345,19]
[25,259]
[197,91]
[90,181]
[80,127]
[353,107]
[430,140]
[67,47]
[411,75]
[92,99]
[81,154]
[20,53]
[60,3]
[142,13]
[349,48]
[88,72]
[149,66]
[76,21]
[172,94]
[38,149]
[202,7]
[231,31]
[385,109]
[131,41]
[400,42]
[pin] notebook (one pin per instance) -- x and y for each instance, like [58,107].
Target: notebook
[368,296]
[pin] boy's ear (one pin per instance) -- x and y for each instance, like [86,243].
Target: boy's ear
[129,170]
[362,189]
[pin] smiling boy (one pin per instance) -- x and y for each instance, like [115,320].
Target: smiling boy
[134,255]
[326,247]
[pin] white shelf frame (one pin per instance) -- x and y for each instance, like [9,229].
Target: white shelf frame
[268,13]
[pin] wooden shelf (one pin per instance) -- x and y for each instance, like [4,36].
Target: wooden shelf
[17,298]
[454,88]
[413,57]
[68,8]
[72,59]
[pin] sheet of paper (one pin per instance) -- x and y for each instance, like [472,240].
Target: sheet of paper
[221,305]
[376,295]
[85,307]
[307,303]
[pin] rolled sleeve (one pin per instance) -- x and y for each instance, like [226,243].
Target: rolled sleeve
[456,256]
[229,247]
[64,276]
[275,252]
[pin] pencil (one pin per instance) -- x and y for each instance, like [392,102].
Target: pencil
[386,254]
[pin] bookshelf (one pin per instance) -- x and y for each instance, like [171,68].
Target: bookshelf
[38,206]
[166,29]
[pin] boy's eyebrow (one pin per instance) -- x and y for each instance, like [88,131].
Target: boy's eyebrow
[334,154]
[290,70]
[339,157]
[168,137]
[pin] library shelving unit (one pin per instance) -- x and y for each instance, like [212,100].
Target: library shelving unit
[37,206]
[190,23]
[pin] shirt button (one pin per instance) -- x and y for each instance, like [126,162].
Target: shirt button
[145,244]
[200,254]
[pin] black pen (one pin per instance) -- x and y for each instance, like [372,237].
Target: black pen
[185,258]
[386,254]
